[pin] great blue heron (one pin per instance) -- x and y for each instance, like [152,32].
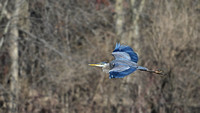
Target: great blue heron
[125,63]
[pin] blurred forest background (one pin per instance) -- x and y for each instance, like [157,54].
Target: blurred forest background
[46,45]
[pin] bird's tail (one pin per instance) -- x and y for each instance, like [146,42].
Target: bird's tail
[150,71]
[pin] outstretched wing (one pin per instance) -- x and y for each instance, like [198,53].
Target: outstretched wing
[120,71]
[122,52]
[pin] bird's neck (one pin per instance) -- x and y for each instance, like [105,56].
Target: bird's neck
[106,68]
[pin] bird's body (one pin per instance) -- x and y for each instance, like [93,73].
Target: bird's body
[116,63]
[125,63]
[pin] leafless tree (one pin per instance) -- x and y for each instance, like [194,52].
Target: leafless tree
[46,45]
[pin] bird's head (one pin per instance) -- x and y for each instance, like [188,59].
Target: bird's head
[105,66]
[101,64]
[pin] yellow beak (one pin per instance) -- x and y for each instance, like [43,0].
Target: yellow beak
[98,65]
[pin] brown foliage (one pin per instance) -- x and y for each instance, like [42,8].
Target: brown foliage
[66,35]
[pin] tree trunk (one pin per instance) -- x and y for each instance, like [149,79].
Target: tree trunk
[119,19]
[135,32]
[134,36]
[20,10]
[14,87]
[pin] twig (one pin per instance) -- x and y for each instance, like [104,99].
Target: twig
[3,9]
[43,41]
[4,33]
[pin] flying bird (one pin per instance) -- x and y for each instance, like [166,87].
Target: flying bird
[125,63]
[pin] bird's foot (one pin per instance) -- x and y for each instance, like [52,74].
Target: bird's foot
[158,72]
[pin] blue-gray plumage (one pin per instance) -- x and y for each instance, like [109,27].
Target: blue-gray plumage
[125,63]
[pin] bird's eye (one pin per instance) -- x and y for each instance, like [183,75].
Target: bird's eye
[113,64]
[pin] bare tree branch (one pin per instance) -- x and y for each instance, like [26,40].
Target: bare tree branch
[43,41]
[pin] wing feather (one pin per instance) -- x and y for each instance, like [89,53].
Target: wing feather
[121,55]
[115,74]
[121,70]
[124,52]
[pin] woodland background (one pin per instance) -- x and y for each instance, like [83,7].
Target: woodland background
[46,45]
